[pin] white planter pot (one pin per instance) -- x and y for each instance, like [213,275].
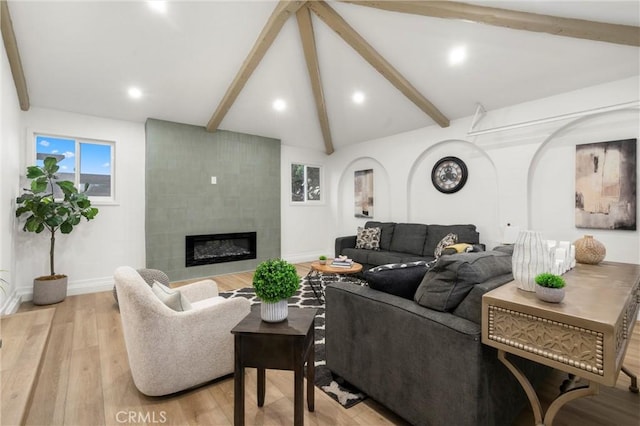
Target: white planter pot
[274,312]
[47,292]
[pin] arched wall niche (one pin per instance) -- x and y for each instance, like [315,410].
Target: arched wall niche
[347,222]
[476,203]
[551,181]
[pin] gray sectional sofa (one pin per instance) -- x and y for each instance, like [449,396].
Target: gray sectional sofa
[403,242]
[423,357]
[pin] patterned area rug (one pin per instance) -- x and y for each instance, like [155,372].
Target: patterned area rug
[325,380]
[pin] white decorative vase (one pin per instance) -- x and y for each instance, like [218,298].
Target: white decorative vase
[274,311]
[548,294]
[530,258]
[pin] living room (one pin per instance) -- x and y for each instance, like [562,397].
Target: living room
[520,157]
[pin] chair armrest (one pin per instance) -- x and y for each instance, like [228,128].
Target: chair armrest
[343,243]
[199,290]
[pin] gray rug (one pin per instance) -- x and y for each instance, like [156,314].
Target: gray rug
[334,386]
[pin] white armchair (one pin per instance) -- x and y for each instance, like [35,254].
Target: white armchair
[170,351]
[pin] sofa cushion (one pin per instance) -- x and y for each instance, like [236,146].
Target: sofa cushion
[384,257]
[358,255]
[400,279]
[386,232]
[471,307]
[409,238]
[453,277]
[368,238]
[435,233]
[170,297]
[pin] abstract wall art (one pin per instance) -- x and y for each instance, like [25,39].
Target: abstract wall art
[363,193]
[605,194]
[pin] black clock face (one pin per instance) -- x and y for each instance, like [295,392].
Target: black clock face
[449,175]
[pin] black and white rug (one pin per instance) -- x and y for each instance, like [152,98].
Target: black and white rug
[332,385]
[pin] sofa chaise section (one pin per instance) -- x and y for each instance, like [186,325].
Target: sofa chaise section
[427,364]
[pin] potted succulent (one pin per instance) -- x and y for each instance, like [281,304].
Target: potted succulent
[44,212]
[550,287]
[322,259]
[275,281]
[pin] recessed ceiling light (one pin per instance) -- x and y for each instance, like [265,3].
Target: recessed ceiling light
[457,55]
[135,93]
[358,97]
[279,105]
[158,6]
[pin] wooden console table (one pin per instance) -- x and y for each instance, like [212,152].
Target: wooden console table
[586,335]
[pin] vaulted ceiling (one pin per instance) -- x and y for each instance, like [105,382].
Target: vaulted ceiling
[222,64]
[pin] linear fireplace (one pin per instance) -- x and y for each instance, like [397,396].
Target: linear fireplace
[218,248]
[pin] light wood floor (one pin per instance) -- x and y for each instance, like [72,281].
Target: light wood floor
[85,380]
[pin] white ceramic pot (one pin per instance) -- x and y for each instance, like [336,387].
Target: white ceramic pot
[548,294]
[275,311]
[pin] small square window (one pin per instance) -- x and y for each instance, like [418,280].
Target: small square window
[86,163]
[306,183]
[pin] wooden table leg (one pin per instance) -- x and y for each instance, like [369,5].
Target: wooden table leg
[238,387]
[541,418]
[633,387]
[261,386]
[311,371]
[298,392]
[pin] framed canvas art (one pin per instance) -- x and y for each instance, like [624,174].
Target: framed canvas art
[605,194]
[363,193]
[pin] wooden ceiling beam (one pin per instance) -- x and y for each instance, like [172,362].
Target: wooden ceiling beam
[281,13]
[13,55]
[311,57]
[360,45]
[527,21]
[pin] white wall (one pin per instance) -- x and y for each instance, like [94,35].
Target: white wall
[90,254]
[9,163]
[515,176]
[305,228]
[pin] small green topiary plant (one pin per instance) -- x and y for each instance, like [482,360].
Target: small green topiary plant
[275,280]
[550,280]
[323,257]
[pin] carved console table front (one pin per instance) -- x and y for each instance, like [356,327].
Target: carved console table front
[586,335]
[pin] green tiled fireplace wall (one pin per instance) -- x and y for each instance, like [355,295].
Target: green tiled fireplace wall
[181,200]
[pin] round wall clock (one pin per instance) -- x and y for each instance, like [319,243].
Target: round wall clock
[449,175]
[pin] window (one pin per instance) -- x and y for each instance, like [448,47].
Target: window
[87,163]
[306,183]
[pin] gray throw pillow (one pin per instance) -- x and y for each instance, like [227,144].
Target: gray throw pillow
[453,277]
[399,279]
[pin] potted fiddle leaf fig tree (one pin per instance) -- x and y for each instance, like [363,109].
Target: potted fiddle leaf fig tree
[275,281]
[43,211]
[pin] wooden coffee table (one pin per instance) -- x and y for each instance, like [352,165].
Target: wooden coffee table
[318,269]
[284,345]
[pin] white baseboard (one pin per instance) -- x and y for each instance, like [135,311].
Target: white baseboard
[11,304]
[93,285]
